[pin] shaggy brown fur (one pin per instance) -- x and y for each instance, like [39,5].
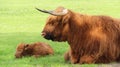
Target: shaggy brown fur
[37,49]
[92,39]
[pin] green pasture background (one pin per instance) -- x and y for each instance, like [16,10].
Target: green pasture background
[20,22]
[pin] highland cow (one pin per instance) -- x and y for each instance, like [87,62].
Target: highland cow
[37,49]
[92,39]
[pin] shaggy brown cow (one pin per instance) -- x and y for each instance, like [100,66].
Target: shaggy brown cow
[37,49]
[92,39]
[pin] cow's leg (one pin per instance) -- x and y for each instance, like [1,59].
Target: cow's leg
[94,50]
[74,57]
[87,59]
[67,56]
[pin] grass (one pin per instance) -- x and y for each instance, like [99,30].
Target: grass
[20,22]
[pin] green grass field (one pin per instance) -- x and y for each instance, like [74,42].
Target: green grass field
[20,22]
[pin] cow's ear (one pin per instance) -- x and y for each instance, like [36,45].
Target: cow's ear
[65,18]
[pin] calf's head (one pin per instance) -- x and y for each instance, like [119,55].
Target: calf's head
[57,26]
[21,50]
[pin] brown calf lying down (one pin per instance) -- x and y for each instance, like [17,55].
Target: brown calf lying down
[37,49]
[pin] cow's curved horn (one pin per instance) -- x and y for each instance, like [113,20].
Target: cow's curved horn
[44,11]
[64,11]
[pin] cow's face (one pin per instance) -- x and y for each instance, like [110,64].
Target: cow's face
[20,51]
[56,28]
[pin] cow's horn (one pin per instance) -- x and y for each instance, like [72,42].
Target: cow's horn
[64,11]
[44,11]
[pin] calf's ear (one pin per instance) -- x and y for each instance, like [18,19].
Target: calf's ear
[26,46]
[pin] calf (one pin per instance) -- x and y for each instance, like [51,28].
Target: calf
[36,49]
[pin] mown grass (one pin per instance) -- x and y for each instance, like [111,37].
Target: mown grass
[20,22]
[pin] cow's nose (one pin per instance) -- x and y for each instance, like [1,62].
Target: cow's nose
[43,34]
